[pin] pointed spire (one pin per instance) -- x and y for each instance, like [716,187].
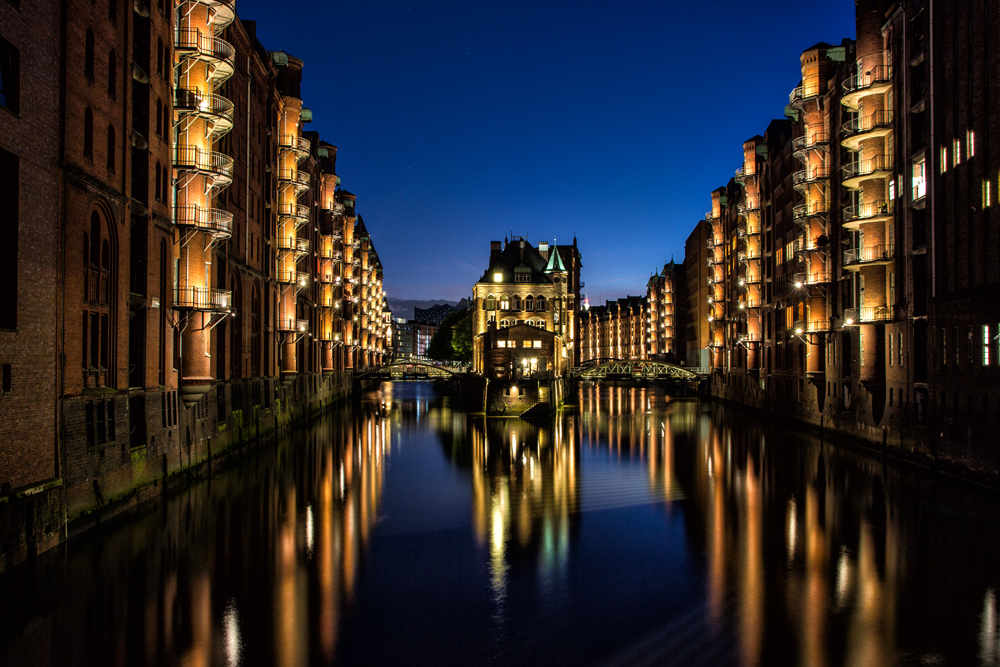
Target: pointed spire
[555,261]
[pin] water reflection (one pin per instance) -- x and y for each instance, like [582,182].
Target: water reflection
[640,530]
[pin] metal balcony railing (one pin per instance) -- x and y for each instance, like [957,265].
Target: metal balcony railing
[199,160]
[292,142]
[293,244]
[810,326]
[805,176]
[290,277]
[294,176]
[296,211]
[863,124]
[802,93]
[293,324]
[872,210]
[203,298]
[882,253]
[868,167]
[193,101]
[874,314]
[223,13]
[876,76]
[808,142]
[191,42]
[811,278]
[803,212]
[212,220]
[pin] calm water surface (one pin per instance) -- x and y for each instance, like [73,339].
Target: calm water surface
[637,531]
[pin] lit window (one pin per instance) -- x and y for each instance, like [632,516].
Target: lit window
[986,193]
[919,180]
[538,343]
[498,277]
[970,143]
[504,303]
[501,343]
[892,189]
[890,350]
[526,343]
[956,157]
[943,161]
[986,345]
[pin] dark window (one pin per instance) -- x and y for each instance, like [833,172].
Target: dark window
[10,77]
[111,148]
[98,337]
[159,57]
[112,74]
[88,55]
[9,223]
[157,184]
[159,117]
[88,132]
[113,11]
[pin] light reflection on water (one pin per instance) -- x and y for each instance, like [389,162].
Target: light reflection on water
[637,531]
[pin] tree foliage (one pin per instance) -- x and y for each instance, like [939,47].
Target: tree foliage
[453,339]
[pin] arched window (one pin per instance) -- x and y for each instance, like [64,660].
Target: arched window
[491,303]
[111,149]
[112,74]
[88,132]
[540,303]
[517,302]
[504,324]
[529,302]
[157,185]
[88,54]
[98,319]
[504,303]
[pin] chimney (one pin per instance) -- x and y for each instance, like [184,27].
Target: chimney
[494,252]
[543,250]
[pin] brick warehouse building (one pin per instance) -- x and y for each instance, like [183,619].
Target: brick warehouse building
[182,271]
[635,327]
[853,260]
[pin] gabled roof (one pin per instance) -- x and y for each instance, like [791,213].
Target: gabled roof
[555,261]
[514,257]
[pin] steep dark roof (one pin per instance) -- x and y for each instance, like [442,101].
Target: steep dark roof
[360,230]
[512,257]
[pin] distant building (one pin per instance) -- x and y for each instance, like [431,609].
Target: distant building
[634,327]
[532,286]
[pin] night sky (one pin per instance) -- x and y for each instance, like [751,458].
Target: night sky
[462,122]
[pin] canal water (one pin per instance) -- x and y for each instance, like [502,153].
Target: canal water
[638,530]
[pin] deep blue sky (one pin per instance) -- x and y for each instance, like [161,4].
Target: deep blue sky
[462,122]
